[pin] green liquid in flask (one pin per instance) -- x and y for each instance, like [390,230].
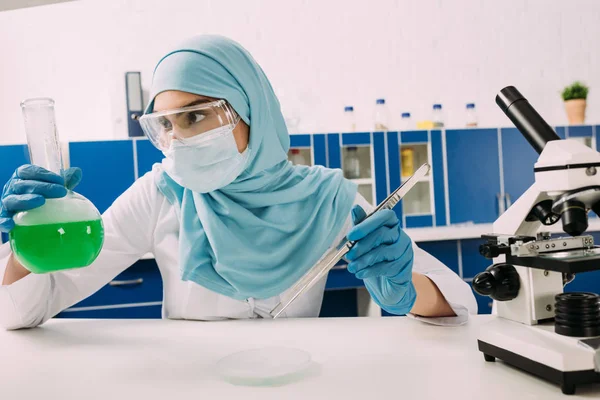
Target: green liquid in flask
[57,246]
[63,233]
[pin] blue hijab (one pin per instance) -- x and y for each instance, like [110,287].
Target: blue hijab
[257,236]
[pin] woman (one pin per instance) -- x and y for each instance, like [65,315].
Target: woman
[231,223]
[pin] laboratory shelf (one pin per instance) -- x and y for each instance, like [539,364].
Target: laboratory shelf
[362,181]
[423,179]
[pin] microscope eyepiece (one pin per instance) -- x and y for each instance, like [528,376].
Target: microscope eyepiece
[531,125]
[507,97]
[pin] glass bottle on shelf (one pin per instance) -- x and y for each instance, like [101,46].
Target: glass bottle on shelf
[352,164]
[296,158]
[381,116]
[406,122]
[407,160]
[471,116]
[349,119]
[437,117]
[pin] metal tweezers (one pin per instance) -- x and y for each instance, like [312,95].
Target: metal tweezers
[335,254]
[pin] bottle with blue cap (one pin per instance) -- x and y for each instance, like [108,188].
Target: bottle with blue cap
[437,117]
[406,122]
[349,119]
[471,116]
[381,116]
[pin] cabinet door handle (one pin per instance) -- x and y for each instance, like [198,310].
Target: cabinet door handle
[130,282]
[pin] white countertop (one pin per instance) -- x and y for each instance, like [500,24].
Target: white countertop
[474,231]
[356,358]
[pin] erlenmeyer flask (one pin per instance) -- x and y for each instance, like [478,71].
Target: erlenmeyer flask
[64,233]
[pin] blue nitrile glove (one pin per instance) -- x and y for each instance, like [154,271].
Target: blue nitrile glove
[29,187]
[383,258]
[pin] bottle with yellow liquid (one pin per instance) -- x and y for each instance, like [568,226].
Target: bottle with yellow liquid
[407,158]
[64,233]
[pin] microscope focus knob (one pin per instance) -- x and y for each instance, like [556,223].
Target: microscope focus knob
[499,281]
[493,250]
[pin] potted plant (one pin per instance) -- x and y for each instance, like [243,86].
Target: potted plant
[575,97]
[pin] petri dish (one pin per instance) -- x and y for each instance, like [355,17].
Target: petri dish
[269,366]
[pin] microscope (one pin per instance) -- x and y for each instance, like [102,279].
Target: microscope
[538,328]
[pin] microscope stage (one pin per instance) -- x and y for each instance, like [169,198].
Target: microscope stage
[572,261]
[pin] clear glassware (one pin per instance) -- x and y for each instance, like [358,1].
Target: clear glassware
[437,116]
[352,164]
[382,116]
[471,115]
[64,233]
[296,157]
[350,119]
[406,122]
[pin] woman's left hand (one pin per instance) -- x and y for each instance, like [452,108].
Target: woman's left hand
[383,258]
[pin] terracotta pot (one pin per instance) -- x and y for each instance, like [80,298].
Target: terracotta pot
[575,111]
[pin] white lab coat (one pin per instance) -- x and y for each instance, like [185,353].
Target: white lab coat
[140,221]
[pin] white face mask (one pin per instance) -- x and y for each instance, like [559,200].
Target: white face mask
[206,162]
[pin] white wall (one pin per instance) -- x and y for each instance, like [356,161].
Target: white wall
[320,55]
[16,4]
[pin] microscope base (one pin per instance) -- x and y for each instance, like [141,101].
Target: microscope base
[538,350]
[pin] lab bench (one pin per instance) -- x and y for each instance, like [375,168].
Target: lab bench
[476,174]
[354,358]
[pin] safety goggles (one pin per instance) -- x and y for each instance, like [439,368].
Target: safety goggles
[162,128]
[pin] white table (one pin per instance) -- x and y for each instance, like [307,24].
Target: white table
[358,358]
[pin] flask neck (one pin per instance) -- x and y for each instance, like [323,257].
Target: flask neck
[42,136]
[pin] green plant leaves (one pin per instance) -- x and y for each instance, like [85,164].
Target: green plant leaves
[576,91]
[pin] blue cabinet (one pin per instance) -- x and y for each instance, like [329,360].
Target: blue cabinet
[11,157]
[342,279]
[472,262]
[561,131]
[146,156]
[300,141]
[380,173]
[394,173]
[334,151]
[319,150]
[134,311]
[301,150]
[445,251]
[473,175]
[369,151]
[580,131]
[419,206]
[437,174]
[135,293]
[484,304]
[518,158]
[108,169]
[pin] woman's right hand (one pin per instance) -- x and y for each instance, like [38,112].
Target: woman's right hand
[29,187]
